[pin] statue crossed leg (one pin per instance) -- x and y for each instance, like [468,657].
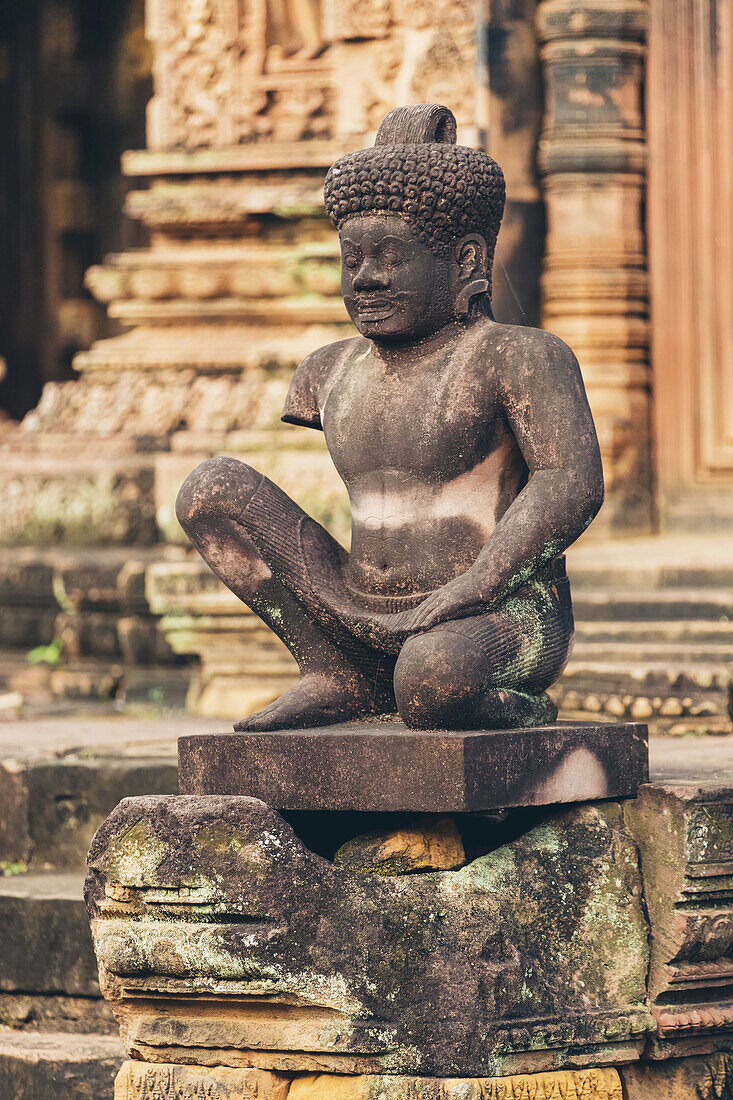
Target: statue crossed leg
[487,670]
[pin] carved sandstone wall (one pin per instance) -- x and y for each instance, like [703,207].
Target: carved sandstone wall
[240,281]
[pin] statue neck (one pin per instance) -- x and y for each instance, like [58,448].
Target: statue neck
[408,348]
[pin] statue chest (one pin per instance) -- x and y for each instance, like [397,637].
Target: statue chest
[432,422]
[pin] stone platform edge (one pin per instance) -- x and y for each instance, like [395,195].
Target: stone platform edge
[385,767]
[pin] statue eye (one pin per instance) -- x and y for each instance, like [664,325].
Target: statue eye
[350,260]
[391,256]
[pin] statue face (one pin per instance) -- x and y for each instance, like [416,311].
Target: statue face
[392,284]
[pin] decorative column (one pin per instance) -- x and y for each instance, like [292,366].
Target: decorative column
[690,122]
[592,158]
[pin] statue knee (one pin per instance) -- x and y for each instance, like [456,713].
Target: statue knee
[435,674]
[217,487]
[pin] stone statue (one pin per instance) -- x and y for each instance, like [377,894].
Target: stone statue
[468,451]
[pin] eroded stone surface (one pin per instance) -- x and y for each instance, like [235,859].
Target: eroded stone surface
[703,1077]
[222,940]
[433,846]
[41,1066]
[685,836]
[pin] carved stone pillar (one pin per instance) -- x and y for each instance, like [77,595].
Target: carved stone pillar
[592,157]
[690,122]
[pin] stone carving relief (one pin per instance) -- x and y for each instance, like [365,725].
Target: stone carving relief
[234,71]
[356,19]
[446,70]
[146,1081]
[420,14]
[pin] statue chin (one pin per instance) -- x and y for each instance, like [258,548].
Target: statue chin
[395,326]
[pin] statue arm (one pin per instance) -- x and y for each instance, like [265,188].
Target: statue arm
[545,404]
[547,408]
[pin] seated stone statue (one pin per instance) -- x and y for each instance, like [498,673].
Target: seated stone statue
[468,451]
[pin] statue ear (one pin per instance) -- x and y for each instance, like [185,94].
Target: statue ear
[472,257]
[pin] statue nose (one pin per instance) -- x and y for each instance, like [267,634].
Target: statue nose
[369,277]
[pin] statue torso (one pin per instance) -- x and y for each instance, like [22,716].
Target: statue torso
[427,456]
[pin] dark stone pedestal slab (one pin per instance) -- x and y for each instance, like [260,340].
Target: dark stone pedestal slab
[384,766]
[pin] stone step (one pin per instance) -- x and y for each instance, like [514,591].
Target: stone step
[685,633]
[44,932]
[94,600]
[674,697]
[60,776]
[50,809]
[43,1065]
[660,604]
[98,679]
[48,973]
[652,562]
[707,674]
[645,650]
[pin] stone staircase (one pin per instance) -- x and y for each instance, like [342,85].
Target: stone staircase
[654,635]
[59,778]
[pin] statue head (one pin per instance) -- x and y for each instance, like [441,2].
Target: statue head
[418,217]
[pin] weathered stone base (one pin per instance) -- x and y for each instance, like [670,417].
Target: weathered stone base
[223,940]
[151,1081]
[699,1078]
[228,934]
[41,1066]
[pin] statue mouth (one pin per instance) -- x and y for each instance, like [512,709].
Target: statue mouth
[374,309]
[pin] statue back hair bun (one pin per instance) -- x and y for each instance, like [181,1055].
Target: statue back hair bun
[417,123]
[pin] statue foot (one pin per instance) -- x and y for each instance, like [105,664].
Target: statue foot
[316,700]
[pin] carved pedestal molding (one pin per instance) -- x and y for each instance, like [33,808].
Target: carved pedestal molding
[592,157]
[697,1078]
[151,1081]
